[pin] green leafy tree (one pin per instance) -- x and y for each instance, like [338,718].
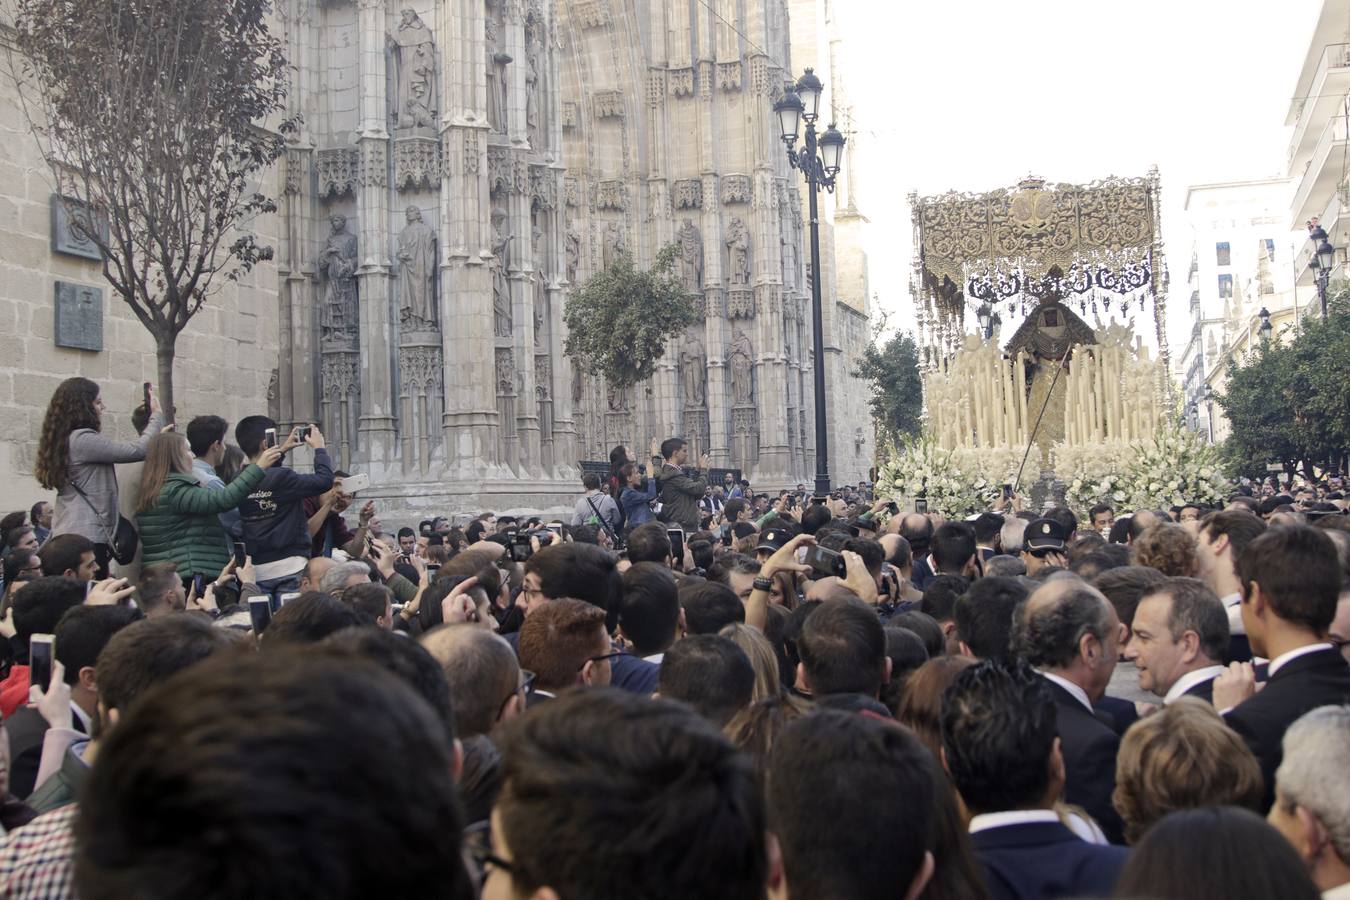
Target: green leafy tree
[897,389]
[159,118]
[620,320]
[1291,402]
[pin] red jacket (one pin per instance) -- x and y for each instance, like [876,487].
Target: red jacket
[14,690]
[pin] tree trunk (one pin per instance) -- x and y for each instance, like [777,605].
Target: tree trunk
[164,352]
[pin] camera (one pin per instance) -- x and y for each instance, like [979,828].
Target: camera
[302,432]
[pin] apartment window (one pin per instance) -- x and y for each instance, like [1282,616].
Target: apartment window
[1268,245]
[1225,286]
[1222,255]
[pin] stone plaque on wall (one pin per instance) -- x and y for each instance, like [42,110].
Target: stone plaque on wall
[79,316]
[68,235]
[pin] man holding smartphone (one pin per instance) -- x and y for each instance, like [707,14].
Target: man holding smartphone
[680,493]
[276,529]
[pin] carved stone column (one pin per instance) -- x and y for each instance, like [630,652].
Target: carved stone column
[377,395]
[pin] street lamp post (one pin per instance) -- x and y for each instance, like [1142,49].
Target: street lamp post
[1322,262]
[986,318]
[1265,329]
[819,160]
[1209,410]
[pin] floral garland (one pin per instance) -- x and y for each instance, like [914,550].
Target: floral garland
[920,468]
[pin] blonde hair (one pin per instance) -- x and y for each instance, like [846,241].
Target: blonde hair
[1182,757]
[165,453]
[762,659]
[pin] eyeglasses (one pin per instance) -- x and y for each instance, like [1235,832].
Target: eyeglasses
[526,685]
[478,840]
[606,657]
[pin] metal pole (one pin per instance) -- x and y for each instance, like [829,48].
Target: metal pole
[1322,279]
[817,323]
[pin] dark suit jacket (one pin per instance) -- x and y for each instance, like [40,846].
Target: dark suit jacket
[1089,745]
[923,574]
[1202,691]
[1045,859]
[1317,679]
[26,730]
[1121,713]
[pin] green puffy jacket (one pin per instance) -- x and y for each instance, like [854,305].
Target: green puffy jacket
[184,526]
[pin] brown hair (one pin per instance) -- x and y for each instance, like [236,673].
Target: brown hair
[557,639]
[755,728]
[1182,757]
[165,453]
[762,658]
[1168,548]
[1241,528]
[921,703]
[71,408]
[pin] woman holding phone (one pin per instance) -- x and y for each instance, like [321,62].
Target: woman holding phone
[76,460]
[179,520]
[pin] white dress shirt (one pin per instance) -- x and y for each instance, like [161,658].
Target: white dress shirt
[1190,680]
[1078,693]
[1233,605]
[1340,892]
[1278,662]
[84,718]
[985,821]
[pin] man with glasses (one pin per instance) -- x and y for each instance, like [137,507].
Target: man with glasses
[564,642]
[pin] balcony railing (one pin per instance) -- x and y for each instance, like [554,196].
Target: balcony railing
[1334,133]
[1335,61]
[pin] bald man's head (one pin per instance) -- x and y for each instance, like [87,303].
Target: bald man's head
[827,589]
[1069,627]
[483,674]
[315,569]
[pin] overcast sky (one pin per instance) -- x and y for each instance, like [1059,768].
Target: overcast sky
[975,95]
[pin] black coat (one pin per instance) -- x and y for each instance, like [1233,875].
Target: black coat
[1089,746]
[27,729]
[1320,678]
[1045,859]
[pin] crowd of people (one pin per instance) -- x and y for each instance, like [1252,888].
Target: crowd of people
[217,685]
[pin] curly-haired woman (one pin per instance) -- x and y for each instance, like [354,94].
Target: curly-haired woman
[76,460]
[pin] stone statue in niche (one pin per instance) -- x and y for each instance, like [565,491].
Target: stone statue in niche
[742,370]
[573,253]
[614,244]
[338,264]
[532,91]
[497,87]
[738,252]
[501,288]
[416,72]
[785,259]
[618,399]
[691,256]
[417,270]
[540,288]
[694,369]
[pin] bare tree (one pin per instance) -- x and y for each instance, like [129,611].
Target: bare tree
[157,118]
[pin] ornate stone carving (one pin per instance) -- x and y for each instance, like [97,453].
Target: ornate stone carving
[742,365]
[656,87]
[617,398]
[543,188]
[736,189]
[712,303]
[415,55]
[417,162]
[501,264]
[543,377]
[337,264]
[295,171]
[506,372]
[591,13]
[532,86]
[738,252]
[337,171]
[417,271]
[694,372]
[341,375]
[759,76]
[473,149]
[611,195]
[689,194]
[682,82]
[573,248]
[740,304]
[656,200]
[615,242]
[501,177]
[691,256]
[569,114]
[729,76]
[706,75]
[374,168]
[608,104]
[419,368]
[572,190]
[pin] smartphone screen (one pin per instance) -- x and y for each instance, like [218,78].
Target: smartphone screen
[676,536]
[240,554]
[269,438]
[198,585]
[1007,492]
[260,613]
[921,505]
[40,658]
[146,388]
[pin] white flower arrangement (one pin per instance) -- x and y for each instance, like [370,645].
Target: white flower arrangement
[1094,473]
[920,468]
[1176,467]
